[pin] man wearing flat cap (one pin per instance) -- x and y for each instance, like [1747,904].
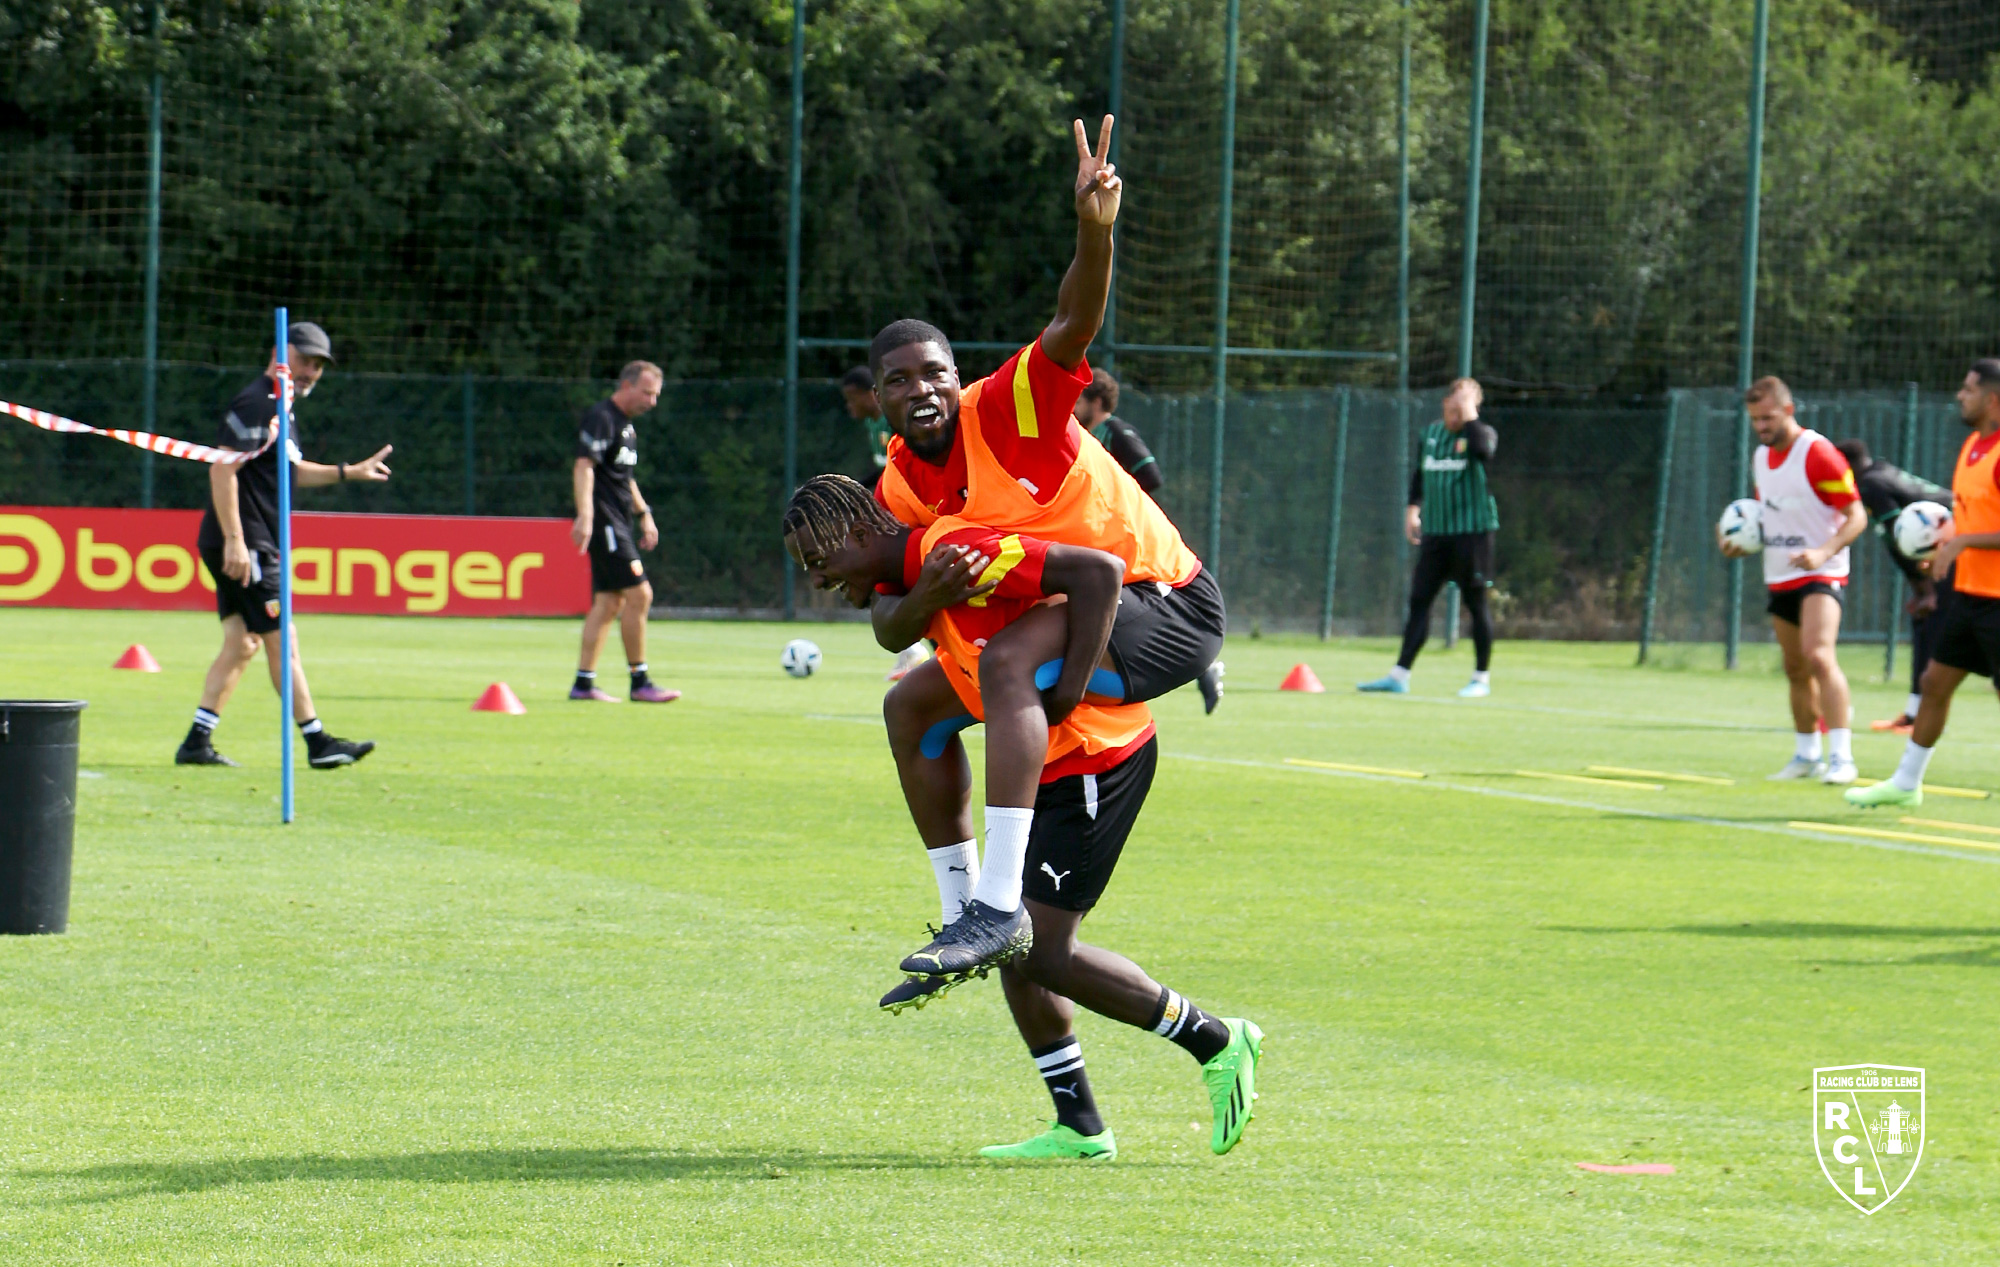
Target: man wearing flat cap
[238,544]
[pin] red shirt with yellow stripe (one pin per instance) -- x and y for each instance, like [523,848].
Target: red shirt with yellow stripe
[1020,462]
[1095,736]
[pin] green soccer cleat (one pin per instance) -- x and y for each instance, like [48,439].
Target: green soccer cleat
[1883,793]
[1232,1083]
[1058,1143]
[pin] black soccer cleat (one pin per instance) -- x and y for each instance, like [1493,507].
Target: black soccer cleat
[915,992]
[980,939]
[1210,683]
[204,755]
[334,753]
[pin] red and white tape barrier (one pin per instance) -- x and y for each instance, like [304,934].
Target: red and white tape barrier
[145,439]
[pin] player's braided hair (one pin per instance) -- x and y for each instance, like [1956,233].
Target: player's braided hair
[828,506]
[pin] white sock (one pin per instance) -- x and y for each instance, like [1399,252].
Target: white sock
[1482,676]
[1840,744]
[1912,704]
[1808,745]
[957,868]
[1400,674]
[999,884]
[1909,774]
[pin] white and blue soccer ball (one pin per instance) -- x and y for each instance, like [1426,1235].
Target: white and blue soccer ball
[800,658]
[1742,524]
[1920,527]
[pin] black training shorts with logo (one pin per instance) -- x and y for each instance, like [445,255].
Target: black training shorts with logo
[1163,637]
[257,601]
[614,559]
[1081,823]
[1968,634]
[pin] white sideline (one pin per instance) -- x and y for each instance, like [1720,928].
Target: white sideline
[1566,803]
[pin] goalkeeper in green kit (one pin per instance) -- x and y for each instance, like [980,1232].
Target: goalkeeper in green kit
[1452,521]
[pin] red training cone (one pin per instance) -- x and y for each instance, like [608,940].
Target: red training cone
[499,698]
[1302,678]
[137,657]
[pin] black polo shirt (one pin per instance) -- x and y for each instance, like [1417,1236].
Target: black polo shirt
[246,427]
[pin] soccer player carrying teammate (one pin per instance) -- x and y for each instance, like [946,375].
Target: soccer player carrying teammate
[238,543]
[1007,453]
[1968,635]
[1811,514]
[1454,539]
[1885,490]
[1100,764]
[607,499]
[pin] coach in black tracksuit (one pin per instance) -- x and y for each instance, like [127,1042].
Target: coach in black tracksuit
[1885,490]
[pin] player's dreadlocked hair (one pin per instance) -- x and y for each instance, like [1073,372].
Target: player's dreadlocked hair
[827,506]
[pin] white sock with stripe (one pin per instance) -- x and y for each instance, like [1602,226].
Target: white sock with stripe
[1840,744]
[1806,745]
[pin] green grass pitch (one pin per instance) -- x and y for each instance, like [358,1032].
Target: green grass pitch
[596,985]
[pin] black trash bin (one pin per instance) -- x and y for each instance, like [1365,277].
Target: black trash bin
[37,812]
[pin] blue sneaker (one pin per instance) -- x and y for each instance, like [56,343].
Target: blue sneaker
[1387,685]
[1474,690]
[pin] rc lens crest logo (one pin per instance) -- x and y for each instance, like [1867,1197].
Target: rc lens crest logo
[1868,1129]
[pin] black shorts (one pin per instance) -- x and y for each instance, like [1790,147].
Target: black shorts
[1968,634]
[257,602]
[1163,637]
[1787,604]
[614,559]
[1463,558]
[1081,823]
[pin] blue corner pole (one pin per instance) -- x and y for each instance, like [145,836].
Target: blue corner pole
[285,571]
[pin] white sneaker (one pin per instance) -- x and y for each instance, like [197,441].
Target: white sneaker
[1799,768]
[1474,690]
[906,659]
[1840,772]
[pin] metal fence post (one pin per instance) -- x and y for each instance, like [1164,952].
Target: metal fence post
[1115,107]
[1746,321]
[1659,523]
[155,144]
[796,182]
[1469,281]
[1402,432]
[471,455]
[1225,215]
[1333,512]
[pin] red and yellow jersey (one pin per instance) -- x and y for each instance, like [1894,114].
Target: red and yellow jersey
[1094,737]
[1021,463]
[1975,492]
[1805,487]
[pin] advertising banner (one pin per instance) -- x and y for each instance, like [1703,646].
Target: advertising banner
[389,565]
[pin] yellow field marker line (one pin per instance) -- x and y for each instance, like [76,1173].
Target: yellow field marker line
[1877,834]
[1584,778]
[1710,780]
[1962,793]
[1940,822]
[1356,769]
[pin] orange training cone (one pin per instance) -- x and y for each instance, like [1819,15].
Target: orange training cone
[1302,678]
[499,698]
[137,657]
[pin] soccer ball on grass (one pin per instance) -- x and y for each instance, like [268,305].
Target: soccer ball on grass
[1920,527]
[800,658]
[1742,524]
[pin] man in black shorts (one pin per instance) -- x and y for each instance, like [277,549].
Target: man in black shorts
[1885,490]
[608,504]
[1452,520]
[238,543]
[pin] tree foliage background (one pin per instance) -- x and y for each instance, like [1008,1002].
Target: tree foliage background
[549,187]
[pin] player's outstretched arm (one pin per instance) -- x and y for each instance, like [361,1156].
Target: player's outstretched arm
[1080,302]
[373,470]
[1091,580]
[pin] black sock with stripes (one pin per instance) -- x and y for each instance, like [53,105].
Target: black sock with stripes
[1188,1027]
[202,733]
[586,680]
[1061,1063]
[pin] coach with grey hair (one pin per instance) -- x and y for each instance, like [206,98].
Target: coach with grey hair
[608,508]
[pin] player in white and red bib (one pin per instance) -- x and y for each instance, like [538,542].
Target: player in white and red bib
[1811,514]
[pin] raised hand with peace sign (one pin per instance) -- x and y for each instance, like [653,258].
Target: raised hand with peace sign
[1080,303]
[1097,184]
